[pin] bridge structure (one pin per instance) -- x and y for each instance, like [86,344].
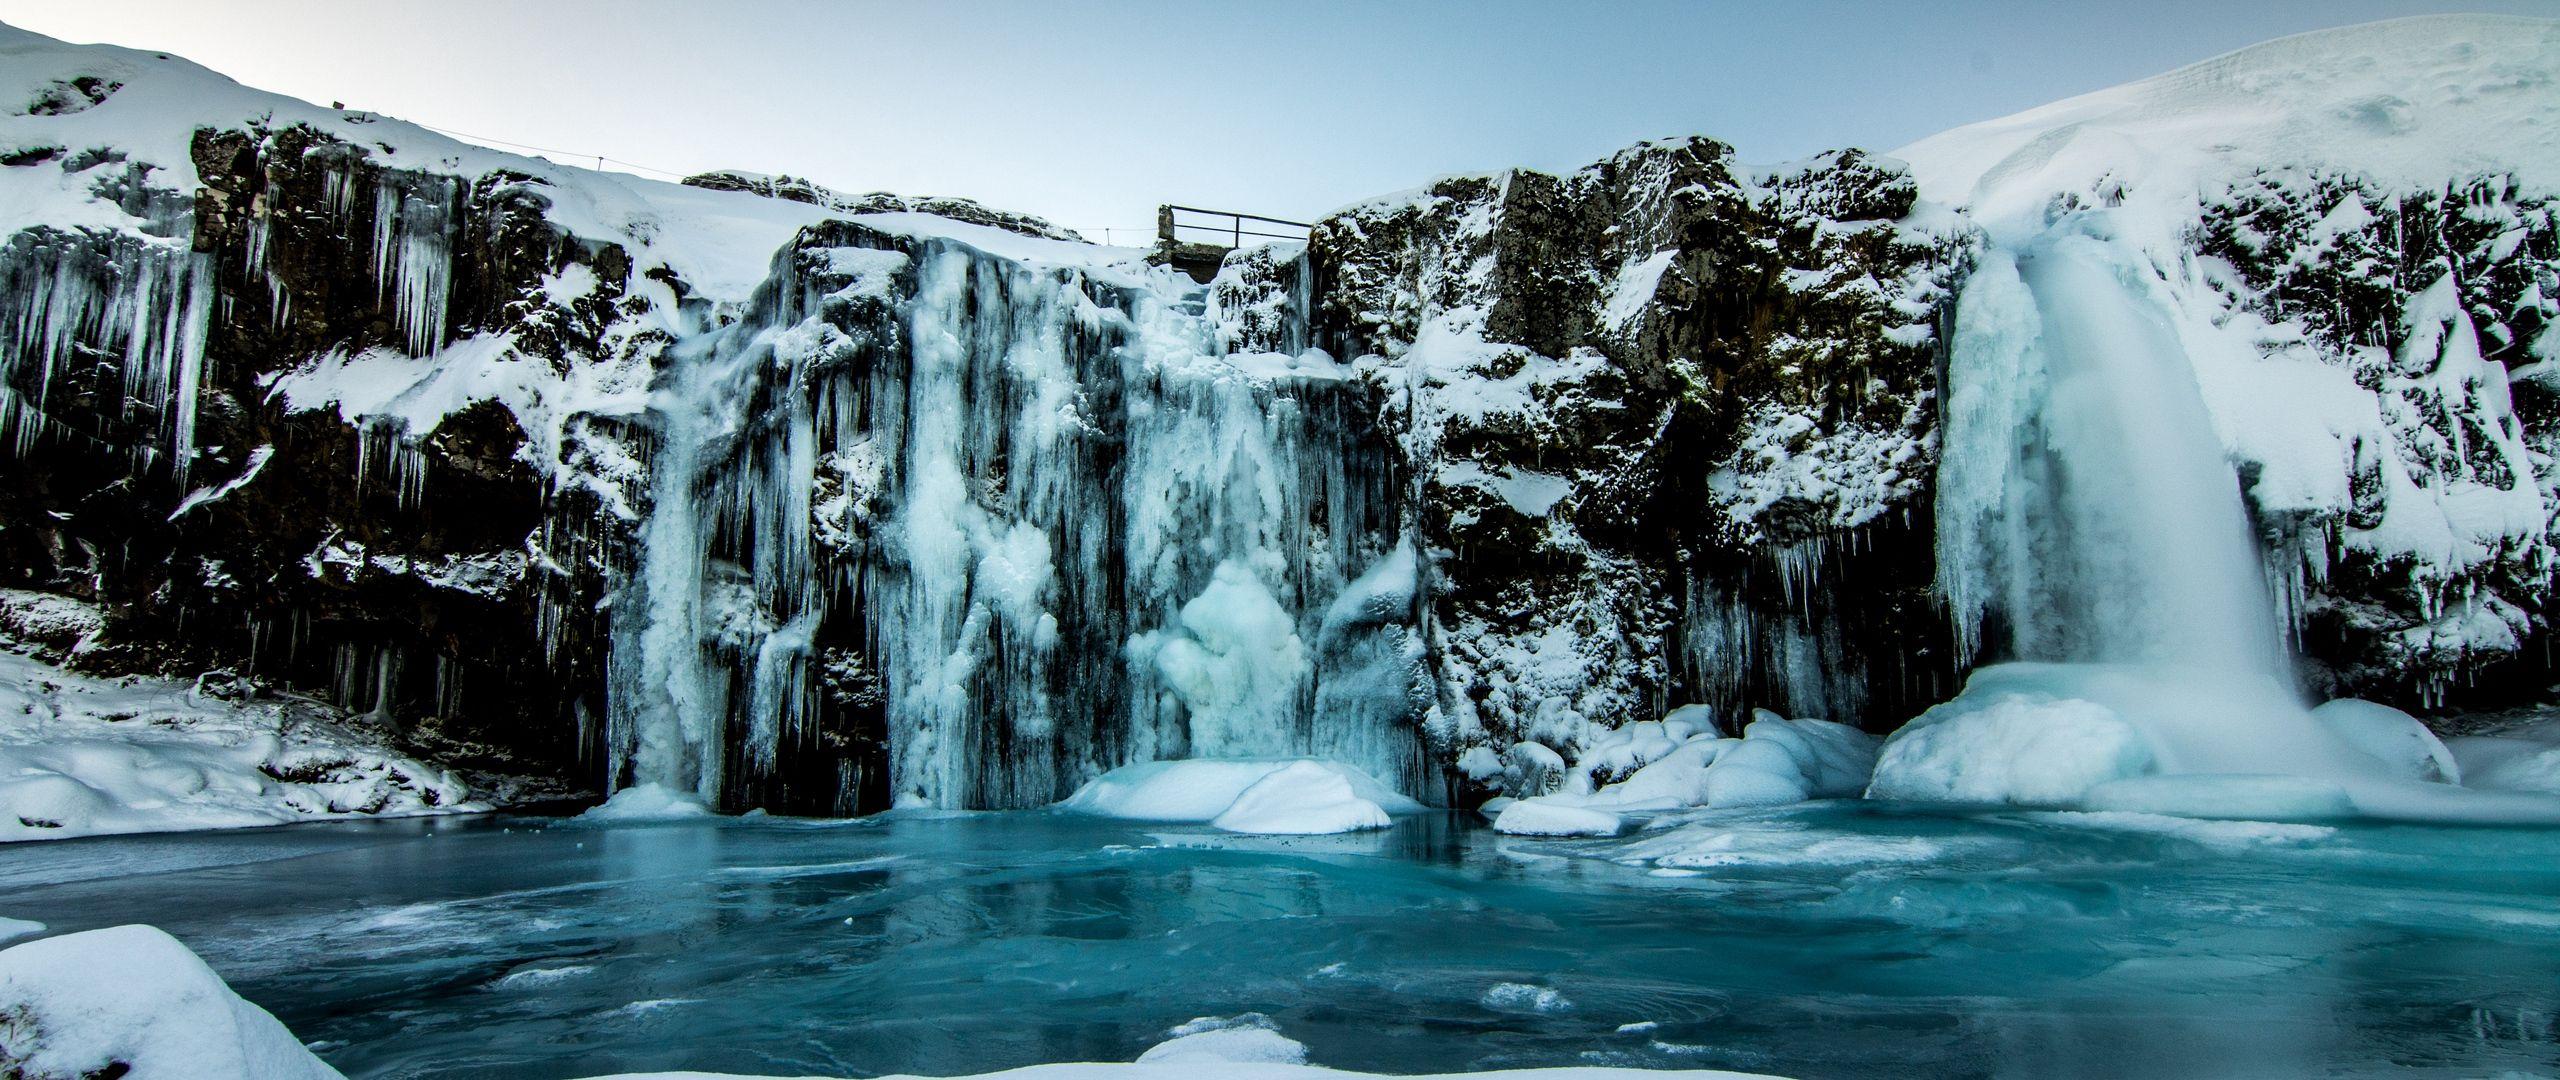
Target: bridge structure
[1195,241]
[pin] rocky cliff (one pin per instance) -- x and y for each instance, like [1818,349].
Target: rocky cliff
[826,503]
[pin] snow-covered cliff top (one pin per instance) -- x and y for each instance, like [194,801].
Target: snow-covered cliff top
[59,101]
[2407,102]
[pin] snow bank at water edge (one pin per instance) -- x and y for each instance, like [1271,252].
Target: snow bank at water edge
[81,756]
[1681,762]
[1263,795]
[133,1002]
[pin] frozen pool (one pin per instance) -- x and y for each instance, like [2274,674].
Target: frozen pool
[1829,940]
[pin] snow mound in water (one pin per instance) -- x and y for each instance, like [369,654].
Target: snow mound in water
[648,802]
[2392,737]
[131,1001]
[1250,1039]
[1205,790]
[1679,762]
[1780,761]
[1302,798]
[1548,816]
[2011,744]
[2408,101]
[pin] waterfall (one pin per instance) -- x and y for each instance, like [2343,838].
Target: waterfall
[2086,504]
[2085,495]
[975,531]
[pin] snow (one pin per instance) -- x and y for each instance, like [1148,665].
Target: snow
[1679,762]
[49,619]
[132,1001]
[1302,792]
[1633,292]
[1301,798]
[18,928]
[82,756]
[2412,102]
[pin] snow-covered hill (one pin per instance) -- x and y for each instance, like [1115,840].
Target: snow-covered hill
[2409,103]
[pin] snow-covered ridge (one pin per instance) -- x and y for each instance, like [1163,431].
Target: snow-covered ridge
[2414,102]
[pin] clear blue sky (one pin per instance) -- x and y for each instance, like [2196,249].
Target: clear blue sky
[1092,113]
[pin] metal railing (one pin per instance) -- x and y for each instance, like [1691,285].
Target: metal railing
[1226,226]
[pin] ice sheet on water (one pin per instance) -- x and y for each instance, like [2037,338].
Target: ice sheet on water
[1543,816]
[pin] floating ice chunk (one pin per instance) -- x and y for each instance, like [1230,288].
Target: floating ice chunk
[131,1001]
[1513,997]
[1301,798]
[18,928]
[648,802]
[2395,738]
[1200,790]
[2235,796]
[1250,1039]
[1547,816]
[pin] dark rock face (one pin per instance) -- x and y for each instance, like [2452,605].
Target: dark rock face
[1648,404]
[443,580]
[2409,291]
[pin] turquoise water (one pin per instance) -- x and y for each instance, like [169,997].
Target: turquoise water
[1838,940]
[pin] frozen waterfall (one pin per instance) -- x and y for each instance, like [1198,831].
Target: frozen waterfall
[934,527]
[2093,536]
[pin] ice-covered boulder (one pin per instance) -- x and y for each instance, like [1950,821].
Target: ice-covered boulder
[2392,737]
[132,1002]
[1264,795]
